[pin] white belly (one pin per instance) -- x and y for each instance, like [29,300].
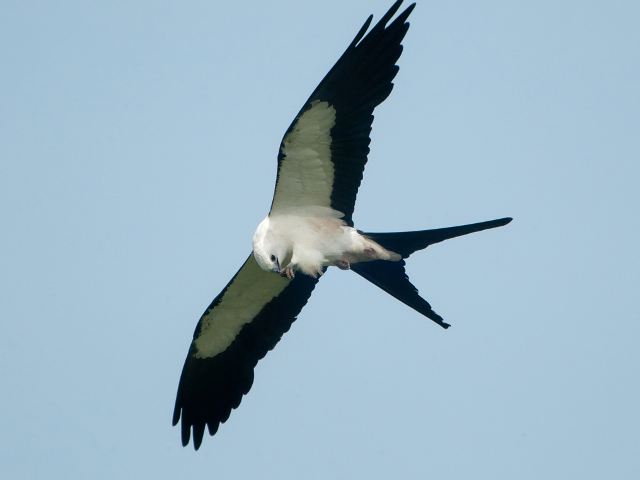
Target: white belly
[319,241]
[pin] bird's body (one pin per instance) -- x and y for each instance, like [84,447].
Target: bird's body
[309,228]
[311,240]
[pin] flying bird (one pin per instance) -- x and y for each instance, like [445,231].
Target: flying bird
[309,228]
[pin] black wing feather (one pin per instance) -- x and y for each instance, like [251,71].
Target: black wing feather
[211,387]
[360,80]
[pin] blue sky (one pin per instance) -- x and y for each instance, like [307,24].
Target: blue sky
[137,155]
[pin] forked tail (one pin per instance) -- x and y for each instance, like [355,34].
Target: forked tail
[391,276]
[405,243]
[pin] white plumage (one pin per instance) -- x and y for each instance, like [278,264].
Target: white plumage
[310,239]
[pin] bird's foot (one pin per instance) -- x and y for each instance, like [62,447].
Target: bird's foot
[343,264]
[288,272]
[370,252]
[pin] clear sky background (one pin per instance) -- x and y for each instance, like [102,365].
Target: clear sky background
[138,147]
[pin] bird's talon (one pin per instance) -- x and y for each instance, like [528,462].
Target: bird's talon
[343,265]
[288,272]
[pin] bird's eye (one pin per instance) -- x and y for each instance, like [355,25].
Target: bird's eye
[273,258]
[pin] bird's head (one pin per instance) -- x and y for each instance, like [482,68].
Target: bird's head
[268,252]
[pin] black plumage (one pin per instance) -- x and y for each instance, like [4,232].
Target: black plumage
[361,79]
[210,388]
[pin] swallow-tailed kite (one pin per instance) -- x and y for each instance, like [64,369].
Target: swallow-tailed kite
[308,229]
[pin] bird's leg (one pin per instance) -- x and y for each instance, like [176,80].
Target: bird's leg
[288,272]
[369,252]
[343,264]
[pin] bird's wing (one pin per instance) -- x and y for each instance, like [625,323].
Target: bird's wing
[241,325]
[324,151]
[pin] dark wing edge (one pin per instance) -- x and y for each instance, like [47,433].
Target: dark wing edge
[210,388]
[393,279]
[361,79]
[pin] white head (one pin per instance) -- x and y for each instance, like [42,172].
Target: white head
[267,250]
